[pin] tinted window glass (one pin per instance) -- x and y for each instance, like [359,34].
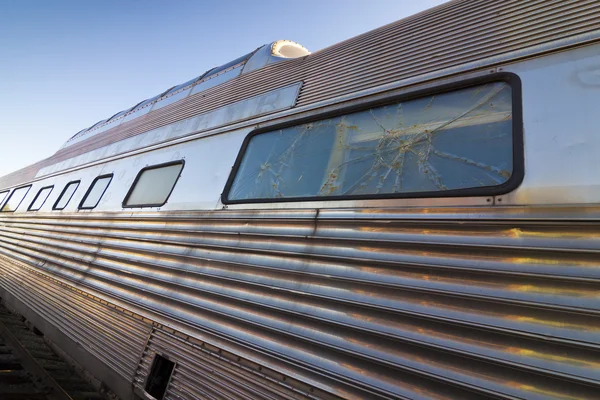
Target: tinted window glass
[450,141]
[3,196]
[172,99]
[40,198]
[95,192]
[16,197]
[66,195]
[185,84]
[153,186]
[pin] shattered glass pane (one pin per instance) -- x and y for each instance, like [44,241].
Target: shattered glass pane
[455,140]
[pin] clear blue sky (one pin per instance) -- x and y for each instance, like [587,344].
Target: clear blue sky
[65,65]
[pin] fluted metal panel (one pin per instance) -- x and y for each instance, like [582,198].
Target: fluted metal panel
[457,33]
[455,37]
[24,174]
[378,303]
[111,335]
[203,371]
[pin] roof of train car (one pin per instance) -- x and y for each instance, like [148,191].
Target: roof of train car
[274,54]
[451,38]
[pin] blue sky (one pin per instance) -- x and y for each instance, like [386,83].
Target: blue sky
[65,65]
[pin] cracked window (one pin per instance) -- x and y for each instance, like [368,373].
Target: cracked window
[455,140]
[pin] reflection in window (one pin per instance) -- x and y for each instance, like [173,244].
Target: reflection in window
[15,199]
[40,198]
[153,185]
[66,195]
[450,141]
[3,196]
[95,192]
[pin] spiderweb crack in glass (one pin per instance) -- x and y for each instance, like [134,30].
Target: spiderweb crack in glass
[454,140]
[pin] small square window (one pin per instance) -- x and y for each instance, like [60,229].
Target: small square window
[95,192]
[66,195]
[159,377]
[40,198]
[153,185]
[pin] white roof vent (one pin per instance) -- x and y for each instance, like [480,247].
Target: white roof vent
[288,49]
[274,52]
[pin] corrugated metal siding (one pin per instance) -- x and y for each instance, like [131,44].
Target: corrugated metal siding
[24,175]
[459,33]
[112,336]
[451,35]
[203,371]
[414,303]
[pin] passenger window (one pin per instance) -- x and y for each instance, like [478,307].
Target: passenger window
[3,196]
[95,192]
[153,185]
[453,143]
[66,195]
[40,198]
[15,199]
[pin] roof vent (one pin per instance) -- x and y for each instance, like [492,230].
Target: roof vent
[288,49]
[274,52]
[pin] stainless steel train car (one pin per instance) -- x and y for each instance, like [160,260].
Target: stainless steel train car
[411,213]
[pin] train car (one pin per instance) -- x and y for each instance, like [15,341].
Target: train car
[411,213]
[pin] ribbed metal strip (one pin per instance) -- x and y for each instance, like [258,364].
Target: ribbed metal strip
[111,336]
[489,29]
[24,174]
[205,372]
[143,369]
[454,34]
[494,302]
[116,349]
[338,388]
